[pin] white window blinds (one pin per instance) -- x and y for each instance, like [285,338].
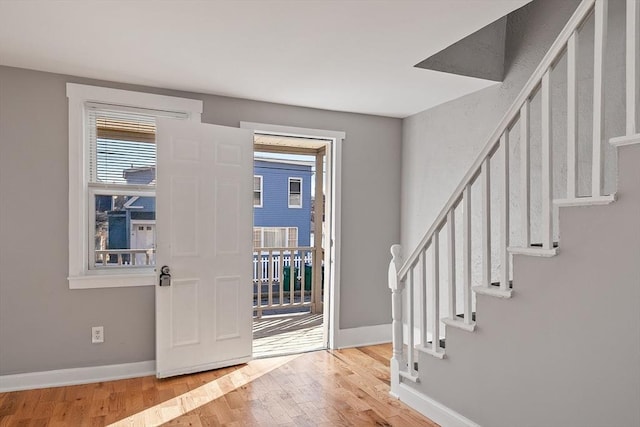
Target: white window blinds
[122,144]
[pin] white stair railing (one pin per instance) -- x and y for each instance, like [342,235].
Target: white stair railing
[497,149]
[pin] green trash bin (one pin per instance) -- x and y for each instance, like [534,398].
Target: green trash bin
[308,274]
[286,279]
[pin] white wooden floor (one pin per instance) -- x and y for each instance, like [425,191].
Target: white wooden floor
[287,334]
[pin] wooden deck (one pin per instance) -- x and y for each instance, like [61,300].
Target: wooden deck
[323,388]
[287,334]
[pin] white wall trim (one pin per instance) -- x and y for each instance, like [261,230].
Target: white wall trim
[293,131]
[433,409]
[334,207]
[74,376]
[365,335]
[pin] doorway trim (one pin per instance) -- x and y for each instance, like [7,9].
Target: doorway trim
[334,175]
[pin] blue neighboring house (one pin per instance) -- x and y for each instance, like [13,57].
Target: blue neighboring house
[130,220]
[282,202]
[135,209]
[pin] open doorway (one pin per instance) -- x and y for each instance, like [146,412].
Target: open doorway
[289,194]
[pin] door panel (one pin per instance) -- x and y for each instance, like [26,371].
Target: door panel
[204,234]
[227,322]
[227,226]
[184,217]
[184,312]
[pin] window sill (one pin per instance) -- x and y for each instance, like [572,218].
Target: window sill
[146,277]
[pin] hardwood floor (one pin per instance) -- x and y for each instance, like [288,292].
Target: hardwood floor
[324,388]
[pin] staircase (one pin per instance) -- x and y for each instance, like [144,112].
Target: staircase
[535,344]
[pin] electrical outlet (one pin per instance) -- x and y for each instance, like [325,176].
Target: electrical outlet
[97,334]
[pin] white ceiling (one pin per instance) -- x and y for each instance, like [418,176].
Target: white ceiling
[349,55]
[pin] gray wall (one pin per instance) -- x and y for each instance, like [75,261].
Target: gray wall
[440,144]
[44,325]
[480,54]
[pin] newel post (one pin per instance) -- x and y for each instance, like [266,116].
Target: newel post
[396,287]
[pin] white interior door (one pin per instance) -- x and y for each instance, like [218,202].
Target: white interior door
[204,224]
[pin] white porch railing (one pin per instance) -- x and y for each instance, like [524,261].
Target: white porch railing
[125,257]
[283,278]
[421,273]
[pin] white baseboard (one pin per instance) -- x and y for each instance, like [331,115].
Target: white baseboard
[366,335]
[74,376]
[432,409]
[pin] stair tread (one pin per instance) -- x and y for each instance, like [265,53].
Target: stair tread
[497,284]
[442,342]
[473,316]
[539,245]
[586,200]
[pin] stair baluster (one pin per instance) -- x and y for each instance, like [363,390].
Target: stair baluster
[466,255]
[631,69]
[505,256]
[435,270]
[547,164]
[451,260]
[600,41]
[572,117]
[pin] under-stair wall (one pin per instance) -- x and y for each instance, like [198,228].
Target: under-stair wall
[565,350]
[551,339]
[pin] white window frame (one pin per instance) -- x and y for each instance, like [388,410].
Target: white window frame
[291,178]
[80,276]
[261,190]
[333,224]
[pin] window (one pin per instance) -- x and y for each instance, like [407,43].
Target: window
[295,192]
[257,191]
[121,182]
[112,164]
[275,237]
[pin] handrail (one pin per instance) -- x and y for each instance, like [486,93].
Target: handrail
[582,12]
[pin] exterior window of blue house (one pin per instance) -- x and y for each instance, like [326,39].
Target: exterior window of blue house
[295,192]
[275,237]
[257,191]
